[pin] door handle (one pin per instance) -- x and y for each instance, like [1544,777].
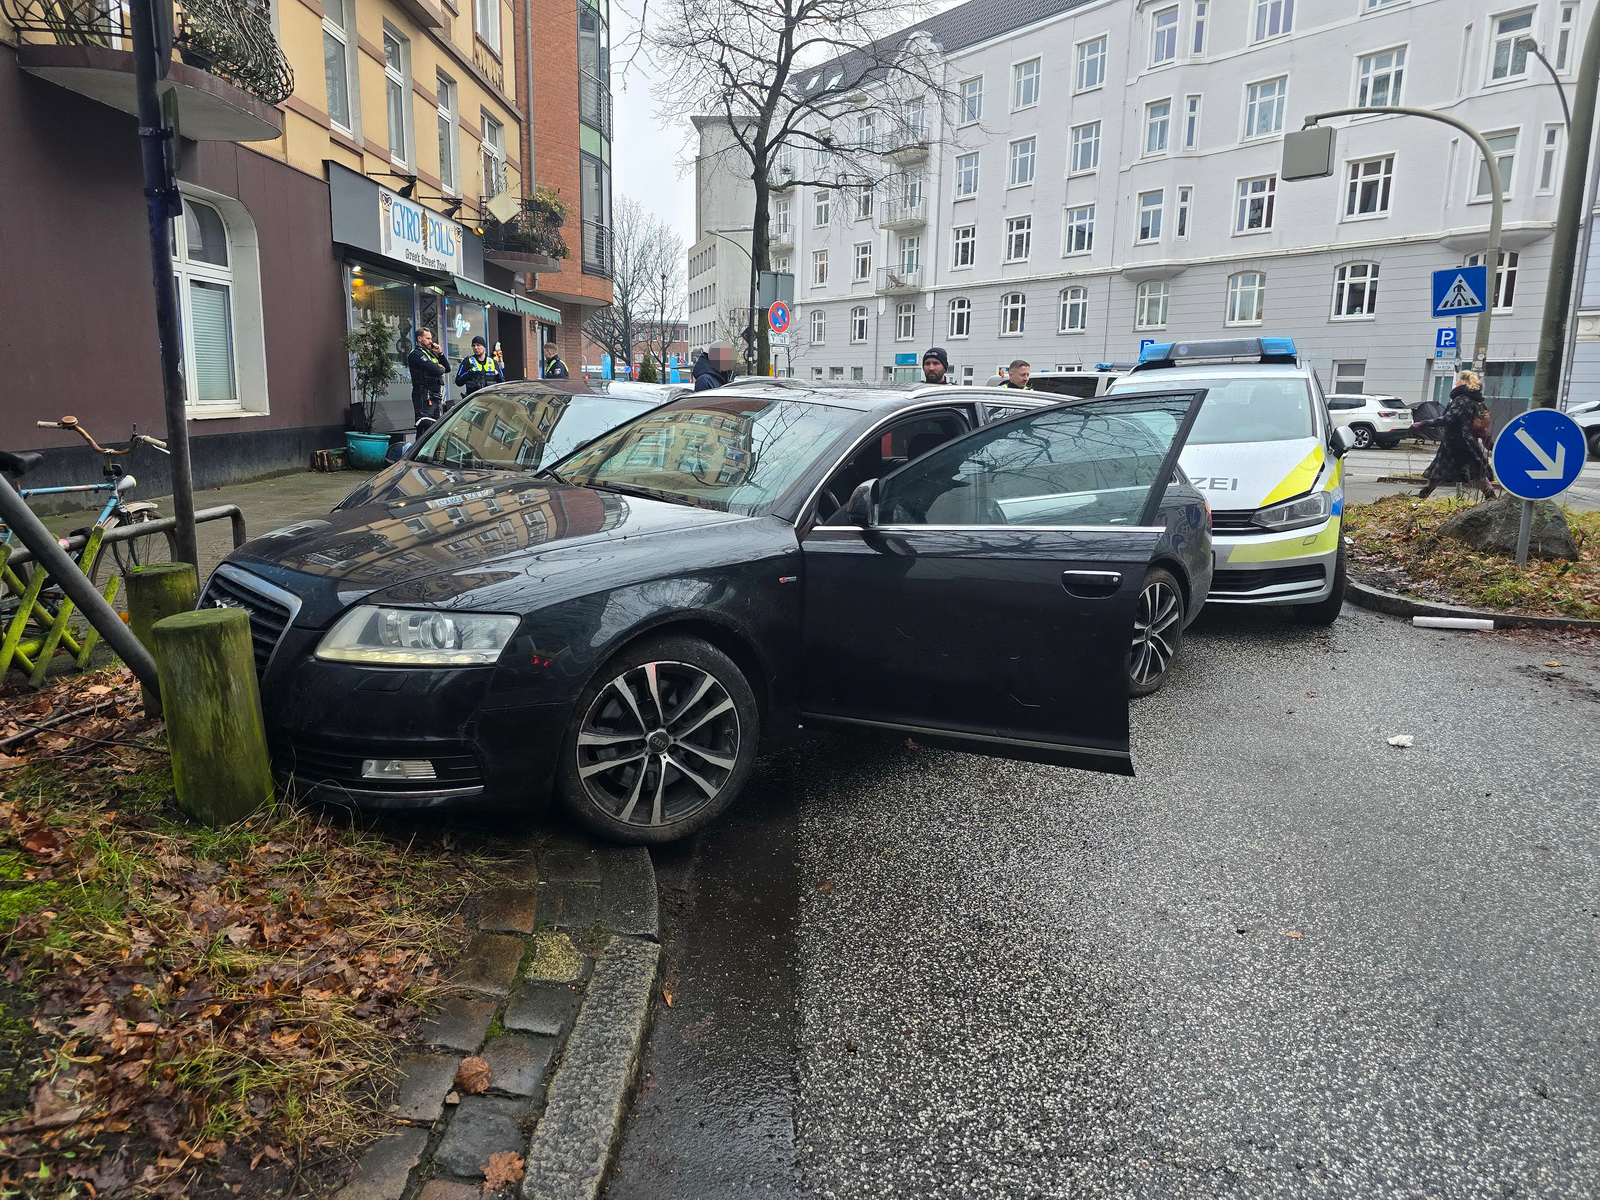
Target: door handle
[1091,585]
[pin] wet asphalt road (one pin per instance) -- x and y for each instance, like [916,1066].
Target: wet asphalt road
[1286,960]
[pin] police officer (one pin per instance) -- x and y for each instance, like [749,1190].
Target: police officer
[554,368]
[428,367]
[1017,375]
[478,369]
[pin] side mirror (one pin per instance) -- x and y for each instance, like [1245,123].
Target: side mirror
[1344,441]
[862,507]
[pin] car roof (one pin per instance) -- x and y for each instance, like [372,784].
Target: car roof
[1232,370]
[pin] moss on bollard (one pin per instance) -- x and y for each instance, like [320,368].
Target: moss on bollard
[220,770]
[156,591]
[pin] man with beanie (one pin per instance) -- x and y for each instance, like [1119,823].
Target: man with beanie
[478,369]
[935,366]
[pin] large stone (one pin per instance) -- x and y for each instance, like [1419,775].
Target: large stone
[482,1126]
[386,1168]
[1492,527]
[517,1065]
[460,1022]
[425,1080]
[489,963]
[541,1008]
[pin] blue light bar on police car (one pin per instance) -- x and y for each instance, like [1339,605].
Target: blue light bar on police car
[1267,349]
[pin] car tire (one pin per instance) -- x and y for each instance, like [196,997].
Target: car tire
[1157,632]
[1388,443]
[1366,436]
[678,721]
[1594,444]
[1326,612]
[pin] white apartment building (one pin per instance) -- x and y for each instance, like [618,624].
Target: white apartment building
[1109,175]
[718,273]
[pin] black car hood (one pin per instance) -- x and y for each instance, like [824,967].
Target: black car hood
[432,535]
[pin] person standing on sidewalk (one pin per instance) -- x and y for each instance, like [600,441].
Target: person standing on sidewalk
[428,367]
[478,369]
[554,368]
[1017,375]
[1463,455]
[935,365]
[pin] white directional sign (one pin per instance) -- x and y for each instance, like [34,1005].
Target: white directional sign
[1539,454]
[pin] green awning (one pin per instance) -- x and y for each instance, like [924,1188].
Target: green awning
[505,301]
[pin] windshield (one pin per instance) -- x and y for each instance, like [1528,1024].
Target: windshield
[523,430]
[737,455]
[1252,410]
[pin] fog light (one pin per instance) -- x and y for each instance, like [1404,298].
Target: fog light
[397,768]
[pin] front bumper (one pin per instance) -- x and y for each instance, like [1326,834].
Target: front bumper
[1297,567]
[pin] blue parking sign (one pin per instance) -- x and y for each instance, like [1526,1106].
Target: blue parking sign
[1445,339]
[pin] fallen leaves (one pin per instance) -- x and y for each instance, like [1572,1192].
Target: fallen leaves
[472,1076]
[826,888]
[666,997]
[504,1169]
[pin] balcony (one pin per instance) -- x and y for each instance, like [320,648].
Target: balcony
[594,102]
[781,177]
[529,241]
[227,73]
[781,237]
[902,213]
[905,145]
[899,279]
[596,249]
[487,62]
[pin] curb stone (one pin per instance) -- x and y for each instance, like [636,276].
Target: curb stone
[1366,596]
[559,1095]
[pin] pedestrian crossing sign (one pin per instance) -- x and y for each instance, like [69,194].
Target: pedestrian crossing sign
[1459,291]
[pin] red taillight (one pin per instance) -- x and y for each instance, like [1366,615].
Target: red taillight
[1391,415]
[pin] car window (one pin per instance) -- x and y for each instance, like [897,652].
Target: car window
[737,455]
[1337,402]
[522,430]
[1081,386]
[1087,465]
[1246,409]
[899,443]
[999,412]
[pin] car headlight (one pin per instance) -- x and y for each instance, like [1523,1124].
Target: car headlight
[1292,514]
[416,637]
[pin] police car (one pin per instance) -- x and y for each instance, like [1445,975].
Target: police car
[1269,461]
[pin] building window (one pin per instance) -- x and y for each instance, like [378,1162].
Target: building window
[1150,207]
[1164,36]
[1263,106]
[858,324]
[1201,13]
[864,202]
[1191,122]
[1157,126]
[1504,148]
[819,268]
[867,132]
[1181,217]
[821,207]
[1150,305]
[494,156]
[1023,155]
[967,175]
[1273,18]
[905,321]
[816,372]
[1380,78]
[1078,234]
[912,117]
[1256,201]
[336,63]
[1247,294]
[863,261]
[910,255]
[1349,378]
[594,194]
[963,245]
[1091,70]
[1019,238]
[1355,290]
[1549,155]
[782,223]
[960,317]
[1367,190]
[1505,279]
[449,134]
[819,328]
[972,100]
[397,85]
[1074,309]
[911,191]
[1013,314]
[1085,147]
[1566,24]
[1507,58]
[486,20]
[1025,84]
[203,264]
[858,373]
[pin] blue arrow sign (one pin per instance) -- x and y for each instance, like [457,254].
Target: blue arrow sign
[1539,454]
[1459,291]
[1445,339]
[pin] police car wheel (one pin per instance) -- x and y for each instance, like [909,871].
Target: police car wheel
[1157,632]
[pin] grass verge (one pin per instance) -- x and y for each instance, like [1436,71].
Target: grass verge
[1395,545]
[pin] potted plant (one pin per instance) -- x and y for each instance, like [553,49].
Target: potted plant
[368,347]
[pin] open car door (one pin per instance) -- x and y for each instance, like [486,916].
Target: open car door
[983,596]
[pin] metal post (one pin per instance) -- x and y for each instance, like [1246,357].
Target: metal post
[49,555]
[157,143]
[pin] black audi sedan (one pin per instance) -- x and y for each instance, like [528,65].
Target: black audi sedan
[624,628]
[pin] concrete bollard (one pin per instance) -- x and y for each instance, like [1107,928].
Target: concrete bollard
[220,770]
[156,591]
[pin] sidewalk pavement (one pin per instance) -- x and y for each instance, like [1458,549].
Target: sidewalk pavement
[1364,468]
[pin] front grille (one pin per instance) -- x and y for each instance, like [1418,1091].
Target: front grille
[269,614]
[1238,520]
[1243,583]
[312,765]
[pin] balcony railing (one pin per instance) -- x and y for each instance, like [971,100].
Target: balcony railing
[596,249]
[899,279]
[901,212]
[594,102]
[231,39]
[534,233]
[483,58]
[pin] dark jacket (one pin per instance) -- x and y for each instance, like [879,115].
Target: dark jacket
[474,373]
[1462,456]
[428,369]
[707,377]
[554,368]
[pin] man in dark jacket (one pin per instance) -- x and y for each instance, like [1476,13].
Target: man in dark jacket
[554,368]
[478,369]
[713,369]
[935,365]
[428,367]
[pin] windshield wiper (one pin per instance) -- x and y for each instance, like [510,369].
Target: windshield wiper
[631,489]
[553,474]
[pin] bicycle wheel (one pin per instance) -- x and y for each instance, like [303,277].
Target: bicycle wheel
[140,551]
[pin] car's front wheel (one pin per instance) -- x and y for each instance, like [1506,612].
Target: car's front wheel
[1157,632]
[660,743]
[1366,436]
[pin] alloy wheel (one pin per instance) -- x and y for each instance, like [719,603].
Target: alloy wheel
[1155,631]
[659,743]
[1364,437]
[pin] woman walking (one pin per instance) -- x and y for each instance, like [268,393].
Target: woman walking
[1463,455]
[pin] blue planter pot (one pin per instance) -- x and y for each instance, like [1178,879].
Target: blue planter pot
[366,450]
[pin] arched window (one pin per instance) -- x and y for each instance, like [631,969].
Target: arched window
[203,263]
[1150,305]
[819,327]
[905,321]
[1013,314]
[960,317]
[858,324]
[1355,290]
[1074,309]
[1247,296]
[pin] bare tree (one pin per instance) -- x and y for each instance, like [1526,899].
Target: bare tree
[814,92]
[645,251]
[664,296]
